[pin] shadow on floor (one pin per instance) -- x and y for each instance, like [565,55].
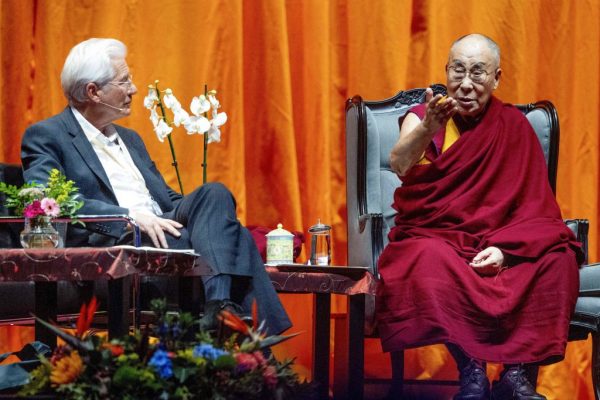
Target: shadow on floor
[411,392]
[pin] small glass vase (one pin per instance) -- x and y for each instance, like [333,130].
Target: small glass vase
[39,233]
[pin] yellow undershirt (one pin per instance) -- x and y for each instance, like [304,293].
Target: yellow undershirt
[450,137]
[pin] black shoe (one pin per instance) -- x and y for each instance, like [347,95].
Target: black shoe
[474,384]
[513,384]
[210,321]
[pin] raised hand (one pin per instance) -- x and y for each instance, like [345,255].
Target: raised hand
[439,110]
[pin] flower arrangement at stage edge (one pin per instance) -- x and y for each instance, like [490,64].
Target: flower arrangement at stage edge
[173,365]
[57,199]
[198,122]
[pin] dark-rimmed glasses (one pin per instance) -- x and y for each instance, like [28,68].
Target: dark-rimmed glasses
[457,73]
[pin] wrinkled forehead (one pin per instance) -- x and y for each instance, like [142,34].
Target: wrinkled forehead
[471,53]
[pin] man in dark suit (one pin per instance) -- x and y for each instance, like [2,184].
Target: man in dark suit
[115,175]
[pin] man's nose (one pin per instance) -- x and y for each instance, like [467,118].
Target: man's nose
[132,89]
[466,84]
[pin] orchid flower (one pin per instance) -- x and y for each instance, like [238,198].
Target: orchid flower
[162,130]
[151,98]
[170,101]
[214,133]
[200,105]
[218,119]
[154,116]
[180,116]
[196,124]
[162,126]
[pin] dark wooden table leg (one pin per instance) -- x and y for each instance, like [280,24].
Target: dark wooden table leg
[321,331]
[191,294]
[46,305]
[356,346]
[118,306]
[86,291]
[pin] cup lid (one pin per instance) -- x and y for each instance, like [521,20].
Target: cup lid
[279,232]
[319,227]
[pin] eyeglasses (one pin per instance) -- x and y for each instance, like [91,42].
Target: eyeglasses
[458,74]
[127,83]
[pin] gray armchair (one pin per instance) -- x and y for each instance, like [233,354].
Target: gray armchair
[372,128]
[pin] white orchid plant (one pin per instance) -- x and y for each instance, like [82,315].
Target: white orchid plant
[198,122]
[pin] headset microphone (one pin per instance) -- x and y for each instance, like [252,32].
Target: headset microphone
[111,106]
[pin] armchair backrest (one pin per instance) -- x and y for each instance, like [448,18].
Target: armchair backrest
[372,128]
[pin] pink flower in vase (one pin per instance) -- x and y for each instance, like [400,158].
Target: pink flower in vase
[33,210]
[50,207]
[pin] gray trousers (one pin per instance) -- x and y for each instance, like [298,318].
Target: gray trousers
[212,229]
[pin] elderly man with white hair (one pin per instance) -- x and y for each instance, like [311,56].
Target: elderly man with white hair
[115,175]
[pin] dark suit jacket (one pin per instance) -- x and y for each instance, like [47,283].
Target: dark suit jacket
[59,142]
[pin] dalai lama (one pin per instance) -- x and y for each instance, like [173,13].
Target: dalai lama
[479,258]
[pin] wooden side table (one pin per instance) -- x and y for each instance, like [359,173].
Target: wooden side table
[322,282]
[119,265]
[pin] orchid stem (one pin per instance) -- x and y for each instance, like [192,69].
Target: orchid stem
[205,149]
[164,116]
[174,163]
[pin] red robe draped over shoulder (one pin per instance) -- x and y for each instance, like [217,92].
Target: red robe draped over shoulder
[490,188]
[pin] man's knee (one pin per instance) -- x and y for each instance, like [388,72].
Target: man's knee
[429,247]
[216,190]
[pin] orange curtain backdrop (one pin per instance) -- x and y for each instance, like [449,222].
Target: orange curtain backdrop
[283,70]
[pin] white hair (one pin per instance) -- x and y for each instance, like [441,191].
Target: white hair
[90,61]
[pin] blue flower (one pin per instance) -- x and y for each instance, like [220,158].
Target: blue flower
[163,329]
[176,330]
[162,363]
[207,351]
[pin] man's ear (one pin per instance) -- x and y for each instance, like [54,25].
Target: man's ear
[497,78]
[91,89]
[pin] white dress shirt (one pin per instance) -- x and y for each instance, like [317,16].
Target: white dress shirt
[127,182]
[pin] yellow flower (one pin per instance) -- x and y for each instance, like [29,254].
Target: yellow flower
[66,370]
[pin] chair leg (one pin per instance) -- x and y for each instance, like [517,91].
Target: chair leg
[596,364]
[397,375]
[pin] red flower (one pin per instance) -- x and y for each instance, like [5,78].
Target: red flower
[115,349]
[258,355]
[233,321]
[86,315]
[270,376]
[246,362]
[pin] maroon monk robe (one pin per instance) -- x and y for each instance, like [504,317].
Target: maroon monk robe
[490,188]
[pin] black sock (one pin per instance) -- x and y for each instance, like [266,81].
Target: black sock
[462,360]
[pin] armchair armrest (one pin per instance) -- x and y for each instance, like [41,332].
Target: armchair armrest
[580,228]
[366,241]
[137,239]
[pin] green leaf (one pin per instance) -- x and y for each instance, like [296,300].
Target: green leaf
[226,361]
[276,339]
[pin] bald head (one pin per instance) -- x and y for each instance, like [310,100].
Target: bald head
[477,40]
